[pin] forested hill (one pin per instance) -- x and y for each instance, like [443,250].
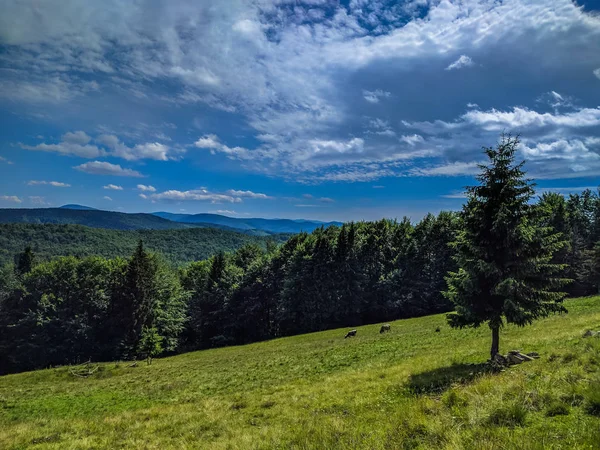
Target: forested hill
[91,218]
[178,246]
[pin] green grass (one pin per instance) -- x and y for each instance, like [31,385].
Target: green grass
[410,388]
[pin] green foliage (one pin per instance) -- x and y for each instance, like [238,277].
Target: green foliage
[150,344]
[506,272]
[25,261]
[177,246]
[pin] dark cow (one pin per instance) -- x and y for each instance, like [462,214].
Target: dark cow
[437,330]
[385,327]
[350,334]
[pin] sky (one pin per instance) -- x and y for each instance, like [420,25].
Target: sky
[316,109]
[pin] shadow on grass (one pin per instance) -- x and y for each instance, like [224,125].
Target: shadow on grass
[438,380]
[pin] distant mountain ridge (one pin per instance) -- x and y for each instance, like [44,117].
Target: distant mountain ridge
[78,207]
[89,217]
[95,218]
[269,225]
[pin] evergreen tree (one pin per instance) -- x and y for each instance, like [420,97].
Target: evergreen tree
[25,261]
[504,256]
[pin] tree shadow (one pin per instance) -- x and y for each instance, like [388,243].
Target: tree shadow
[438,380]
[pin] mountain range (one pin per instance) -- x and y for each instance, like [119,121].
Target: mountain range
[83,215]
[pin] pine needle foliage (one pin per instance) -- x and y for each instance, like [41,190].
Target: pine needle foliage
[504,253]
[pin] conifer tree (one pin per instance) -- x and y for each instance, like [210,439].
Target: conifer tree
[506,273]
[25,261]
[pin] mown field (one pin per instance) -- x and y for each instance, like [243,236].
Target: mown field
[411,388]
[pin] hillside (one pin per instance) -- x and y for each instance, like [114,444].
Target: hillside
[178,246]
[89,217]
[410,388]
[270,225]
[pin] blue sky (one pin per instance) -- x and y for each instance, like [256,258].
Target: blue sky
[331,110]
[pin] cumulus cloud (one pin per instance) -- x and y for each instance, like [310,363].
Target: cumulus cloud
[146,188]
[10,198]
[113,187]
[461,62]
[106,168]
[212,143]
[247,194]
[201,195]
[49,183]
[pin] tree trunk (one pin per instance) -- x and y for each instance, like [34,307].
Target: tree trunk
[495,341]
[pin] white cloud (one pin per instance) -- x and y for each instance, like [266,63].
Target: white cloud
[10,198]
[211,142]
[49,183]
[448,170]
[72,144]
[105,168]
[201,195]
[413,139]
[455,194]
[247,194]
[376,95]
[78,144]
[113,187]
[106,197]
[462,61]
[146,188]
[326,200]
[597,73]
[2,159]
[295,75]
[148,150]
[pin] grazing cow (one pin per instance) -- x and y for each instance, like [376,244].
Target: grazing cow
[350,334]
[437,330]
[385,327]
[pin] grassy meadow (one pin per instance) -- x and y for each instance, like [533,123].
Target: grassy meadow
[410,388]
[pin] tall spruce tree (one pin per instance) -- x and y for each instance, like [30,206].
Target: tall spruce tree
[506,273]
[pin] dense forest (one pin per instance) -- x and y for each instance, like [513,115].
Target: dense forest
[177,246]
[72,309]
[505,258]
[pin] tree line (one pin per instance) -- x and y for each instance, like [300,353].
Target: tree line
[503,258]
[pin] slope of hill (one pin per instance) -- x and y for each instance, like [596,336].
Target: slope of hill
[178,246]
[89,217]
[410,388]
[270,225]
